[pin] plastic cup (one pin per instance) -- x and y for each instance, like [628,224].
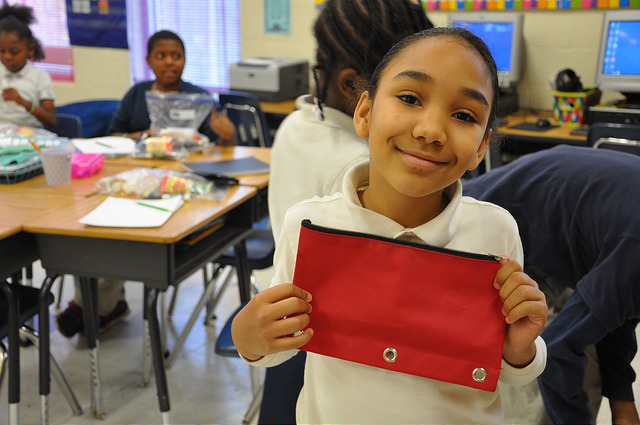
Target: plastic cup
[56,163]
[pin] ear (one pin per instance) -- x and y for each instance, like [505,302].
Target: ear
[31,50]
[347,82]
[482,149]
[362,115]
[148,62]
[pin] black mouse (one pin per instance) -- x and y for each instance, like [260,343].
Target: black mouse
[543,123]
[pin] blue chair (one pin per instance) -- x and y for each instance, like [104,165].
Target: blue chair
[68,125]
[244,110]
[94,114]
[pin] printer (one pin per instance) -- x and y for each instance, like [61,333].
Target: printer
[270,79]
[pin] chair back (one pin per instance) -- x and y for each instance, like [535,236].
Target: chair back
[95,115]
[244,110]
[615,136]
[68,125]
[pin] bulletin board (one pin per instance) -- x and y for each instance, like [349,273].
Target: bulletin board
[497,5]
[97,23]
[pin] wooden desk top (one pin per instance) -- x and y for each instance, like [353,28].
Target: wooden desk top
[57,209]
[214,153]
[560,134]
[192,215]
[281,108]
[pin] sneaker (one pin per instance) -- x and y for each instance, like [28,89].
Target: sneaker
[70,321]
[120,311]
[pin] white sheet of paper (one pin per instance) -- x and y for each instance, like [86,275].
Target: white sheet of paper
[107,145]
[125,212]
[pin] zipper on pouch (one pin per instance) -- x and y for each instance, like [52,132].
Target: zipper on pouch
[473,255]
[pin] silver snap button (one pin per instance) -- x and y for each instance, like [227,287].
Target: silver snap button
[479,374]
[390,355]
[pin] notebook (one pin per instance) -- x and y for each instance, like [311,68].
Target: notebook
[232,168]
[126,212]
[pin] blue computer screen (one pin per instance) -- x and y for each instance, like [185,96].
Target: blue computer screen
[622,54]
[498,36]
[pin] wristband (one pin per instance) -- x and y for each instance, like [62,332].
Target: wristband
[32,110]
[35,112]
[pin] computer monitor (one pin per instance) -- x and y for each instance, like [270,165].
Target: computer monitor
[502,32]
[619,56]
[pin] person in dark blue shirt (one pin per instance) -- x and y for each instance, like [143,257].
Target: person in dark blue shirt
[578,213]
[166,58]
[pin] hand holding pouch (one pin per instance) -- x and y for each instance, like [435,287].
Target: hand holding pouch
[402,306]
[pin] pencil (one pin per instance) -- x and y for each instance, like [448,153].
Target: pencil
[153,206]
[104,144]
[35,146]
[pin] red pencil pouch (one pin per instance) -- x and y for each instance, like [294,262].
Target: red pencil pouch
[402,306]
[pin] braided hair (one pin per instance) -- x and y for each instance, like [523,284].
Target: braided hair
[358,33]
[16,19]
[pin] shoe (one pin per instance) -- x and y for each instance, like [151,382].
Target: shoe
[120,311]
[70,321]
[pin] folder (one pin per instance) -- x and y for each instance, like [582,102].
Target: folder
[402,306]
[231,168]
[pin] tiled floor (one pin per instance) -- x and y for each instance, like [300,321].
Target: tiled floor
[203,386]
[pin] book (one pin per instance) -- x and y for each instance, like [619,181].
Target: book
[231,168]
[125,212]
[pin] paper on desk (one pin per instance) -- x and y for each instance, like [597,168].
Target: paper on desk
[113,145]
[125,212]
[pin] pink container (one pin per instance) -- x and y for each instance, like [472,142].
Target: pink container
[85,164]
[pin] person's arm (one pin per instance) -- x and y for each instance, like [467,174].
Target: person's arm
[223,127]
[45,112]
[271,321]
[525,311]
[623,412]
[615,353]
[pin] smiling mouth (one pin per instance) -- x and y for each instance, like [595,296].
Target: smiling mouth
[420,160]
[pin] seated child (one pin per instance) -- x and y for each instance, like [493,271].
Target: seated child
[27,91]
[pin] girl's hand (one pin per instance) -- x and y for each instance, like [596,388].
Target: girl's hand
[11,95]
[271,322]
[525,311]
[222,125]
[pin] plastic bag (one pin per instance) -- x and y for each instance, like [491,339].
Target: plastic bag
[154,183]
[178,109]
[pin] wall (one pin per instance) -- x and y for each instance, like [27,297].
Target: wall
[553,40]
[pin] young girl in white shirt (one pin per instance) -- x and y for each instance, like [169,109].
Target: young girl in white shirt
[427,113]
[27,91]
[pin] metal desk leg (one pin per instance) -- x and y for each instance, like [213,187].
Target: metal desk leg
[151,300]
[44,349]
[244,274]
[14,353]
[90,314]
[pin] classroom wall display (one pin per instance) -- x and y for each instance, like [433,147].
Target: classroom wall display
[97,23]
[277,17]
[470,5]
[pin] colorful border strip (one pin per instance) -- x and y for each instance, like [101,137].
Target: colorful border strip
[470,5]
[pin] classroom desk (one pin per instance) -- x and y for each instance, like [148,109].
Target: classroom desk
[276,112]
[282,108]
[516,142]
[151,256]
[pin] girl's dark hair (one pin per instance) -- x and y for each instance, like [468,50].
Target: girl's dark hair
[163,35]
[357,34]
[16,19]
[473,41]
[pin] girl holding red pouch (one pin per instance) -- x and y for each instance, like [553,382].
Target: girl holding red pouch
[427,112]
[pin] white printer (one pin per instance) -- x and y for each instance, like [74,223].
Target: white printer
[270,79]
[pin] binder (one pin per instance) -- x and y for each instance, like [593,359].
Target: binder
[402,306]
